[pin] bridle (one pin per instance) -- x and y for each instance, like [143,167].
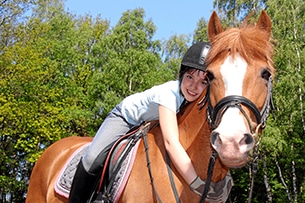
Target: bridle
[215,114]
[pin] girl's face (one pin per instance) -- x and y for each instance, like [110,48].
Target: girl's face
[193,83]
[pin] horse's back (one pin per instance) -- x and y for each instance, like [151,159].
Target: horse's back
[46,169]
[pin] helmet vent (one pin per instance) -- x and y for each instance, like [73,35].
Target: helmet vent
[204,53]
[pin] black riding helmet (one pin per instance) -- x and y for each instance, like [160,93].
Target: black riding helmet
[194,57]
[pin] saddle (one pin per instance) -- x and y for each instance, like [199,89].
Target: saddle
[116,170]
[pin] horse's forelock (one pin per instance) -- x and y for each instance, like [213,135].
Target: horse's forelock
[248,41]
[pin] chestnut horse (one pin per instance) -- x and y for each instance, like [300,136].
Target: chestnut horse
[239,98]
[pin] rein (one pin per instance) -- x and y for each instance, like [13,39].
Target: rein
[170,173]
[149,168]
[208,180]
[210,173]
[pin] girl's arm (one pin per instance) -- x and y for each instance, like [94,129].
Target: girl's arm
[178,155]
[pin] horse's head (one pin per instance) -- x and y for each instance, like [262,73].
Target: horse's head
[240,71]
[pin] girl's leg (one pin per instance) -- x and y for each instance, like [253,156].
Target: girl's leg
[110,131]
[91,164]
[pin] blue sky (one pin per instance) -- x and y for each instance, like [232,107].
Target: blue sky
[169,16]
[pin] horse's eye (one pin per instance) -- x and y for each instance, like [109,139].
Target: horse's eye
[266,74]
[210,76]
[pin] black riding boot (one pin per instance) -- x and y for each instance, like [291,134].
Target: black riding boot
[82,185]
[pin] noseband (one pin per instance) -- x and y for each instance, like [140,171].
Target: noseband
[235,101]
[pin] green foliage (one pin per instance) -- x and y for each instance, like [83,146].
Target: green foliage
[201,32]
[235,11]
[11,12]
[288,30]
[173,51]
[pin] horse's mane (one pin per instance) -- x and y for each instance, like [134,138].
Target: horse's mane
[248,41]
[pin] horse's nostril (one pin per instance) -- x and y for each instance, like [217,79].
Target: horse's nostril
[214,137]
[248,139]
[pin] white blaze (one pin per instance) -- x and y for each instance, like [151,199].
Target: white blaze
[233,73]
[232,126]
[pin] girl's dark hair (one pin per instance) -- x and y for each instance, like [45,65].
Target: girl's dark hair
[183,70]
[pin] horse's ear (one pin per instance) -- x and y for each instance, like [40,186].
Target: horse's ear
[264,23]
[214,26]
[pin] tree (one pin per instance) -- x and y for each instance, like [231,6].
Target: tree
[289,34]
[173,51]
[201,32]
[235,11]
[11,13]
[42,97]
[127,61]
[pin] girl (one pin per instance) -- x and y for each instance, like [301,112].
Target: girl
[161,103]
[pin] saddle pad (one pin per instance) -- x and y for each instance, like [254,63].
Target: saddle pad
[123,175]
[65,176]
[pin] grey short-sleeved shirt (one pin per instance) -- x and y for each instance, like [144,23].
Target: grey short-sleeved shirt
[143,106]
